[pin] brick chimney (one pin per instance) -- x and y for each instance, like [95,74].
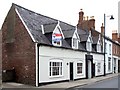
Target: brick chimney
[102,29]
[115,35]
[85,22]
[119,39]
[81,15]
[91,23]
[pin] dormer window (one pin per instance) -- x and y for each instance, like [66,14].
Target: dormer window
[89,44]
[98,46]
[75,40]
[57,36]
[75,43]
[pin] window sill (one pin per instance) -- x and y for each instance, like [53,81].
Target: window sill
[80,74]
[58,76]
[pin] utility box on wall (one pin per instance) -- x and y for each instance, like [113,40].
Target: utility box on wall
[8,75]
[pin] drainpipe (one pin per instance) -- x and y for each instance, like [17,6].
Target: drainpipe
[37,63]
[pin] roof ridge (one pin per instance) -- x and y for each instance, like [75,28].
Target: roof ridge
[42,14]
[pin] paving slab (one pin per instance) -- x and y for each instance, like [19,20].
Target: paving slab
[60,85]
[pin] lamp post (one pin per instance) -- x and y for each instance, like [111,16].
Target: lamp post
[111,18]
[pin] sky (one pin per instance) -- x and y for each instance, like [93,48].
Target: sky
[68,10]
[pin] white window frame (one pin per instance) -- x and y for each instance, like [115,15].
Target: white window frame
[89,43]
[60,66]
[98,47]
[98,67]
[75,43]
[75,40]
[110,49]
[105,47]
[89,46]
[81,72]
[109,63]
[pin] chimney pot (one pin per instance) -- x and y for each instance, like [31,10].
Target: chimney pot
[81,15]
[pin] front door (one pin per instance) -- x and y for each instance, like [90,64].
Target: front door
[89,69]
[118,65]
[93,70]
[71,70]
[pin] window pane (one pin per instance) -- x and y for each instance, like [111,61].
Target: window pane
[79,68]
[75,42]
[55,68]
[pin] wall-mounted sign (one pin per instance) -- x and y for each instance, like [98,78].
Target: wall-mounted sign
[56,37]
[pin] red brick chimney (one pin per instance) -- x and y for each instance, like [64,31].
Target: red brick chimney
[119,39]
[81,15]
[91,23]
[85,22]
[115,35]
[102,29]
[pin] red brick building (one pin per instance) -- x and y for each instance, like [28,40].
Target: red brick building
[116,51]
[18,49]
[38,47]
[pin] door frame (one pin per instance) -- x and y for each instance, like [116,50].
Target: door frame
[71,71]
[89,58]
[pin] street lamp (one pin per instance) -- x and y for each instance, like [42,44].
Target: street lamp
[111,18]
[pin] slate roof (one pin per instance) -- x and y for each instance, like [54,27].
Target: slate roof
[83,37]
[80,47]
[95,39]
[95,33]
[49,27]
[68,33]
[80,31]
[34,21]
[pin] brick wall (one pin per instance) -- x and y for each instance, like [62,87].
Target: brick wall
[19,52]
[115,48]
[85,24]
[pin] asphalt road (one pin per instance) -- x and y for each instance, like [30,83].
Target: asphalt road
[109,84]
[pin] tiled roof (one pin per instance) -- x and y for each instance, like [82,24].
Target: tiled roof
[34,21]
[49,27]
[95,39]
[83,37]
[68,33]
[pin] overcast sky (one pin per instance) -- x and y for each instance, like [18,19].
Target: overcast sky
[67,10]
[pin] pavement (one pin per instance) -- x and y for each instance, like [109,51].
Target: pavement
[68,84]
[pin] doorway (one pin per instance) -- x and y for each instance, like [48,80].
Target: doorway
[71,70]
[89,69]
[93,70]
[118,65]
[89,66]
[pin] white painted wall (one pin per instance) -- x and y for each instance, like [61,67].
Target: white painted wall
[98,58]
[108,55]
[89,69]
[115,60]
[47,53]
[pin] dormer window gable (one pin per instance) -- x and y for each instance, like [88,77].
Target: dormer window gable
[89,43]
[89,39]
[99,45]
[57,36]
[75,40]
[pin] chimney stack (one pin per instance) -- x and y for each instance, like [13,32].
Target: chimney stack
[102,29]
[114,35]
[81,16]
[92,23]
[119,39]
[85,22]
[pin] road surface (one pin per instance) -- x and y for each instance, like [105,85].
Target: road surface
[108,84]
